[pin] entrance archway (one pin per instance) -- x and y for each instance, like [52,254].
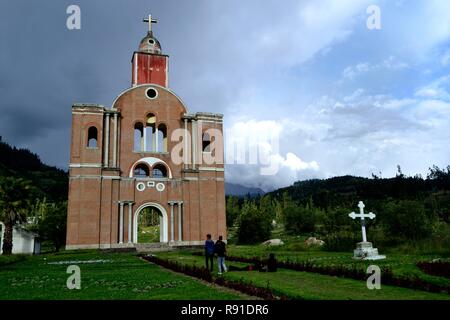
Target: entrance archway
[163,224]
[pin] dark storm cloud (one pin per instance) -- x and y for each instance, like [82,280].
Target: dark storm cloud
[255,61]
[45,67]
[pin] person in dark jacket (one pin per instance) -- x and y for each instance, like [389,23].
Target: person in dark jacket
[257,265]
[209,252]
[220,249]
[272,263]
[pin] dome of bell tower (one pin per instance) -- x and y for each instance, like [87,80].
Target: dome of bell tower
[150,44]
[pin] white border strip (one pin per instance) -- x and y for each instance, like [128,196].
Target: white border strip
[211,169]
[85,165]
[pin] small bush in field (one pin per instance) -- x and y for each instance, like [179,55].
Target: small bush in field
[408,219]
[340,241]
[299,219]
[254,225]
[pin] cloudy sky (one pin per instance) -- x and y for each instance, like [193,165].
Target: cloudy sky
[342,99]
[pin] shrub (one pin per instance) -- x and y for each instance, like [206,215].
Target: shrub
[334,219]
[298,219]
[407,219]
[232,210]
[254,225]
[50,222]
[341,241]
[437,268]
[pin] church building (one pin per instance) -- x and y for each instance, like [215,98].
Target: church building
[145,154]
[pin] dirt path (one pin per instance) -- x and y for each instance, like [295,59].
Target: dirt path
[209,284]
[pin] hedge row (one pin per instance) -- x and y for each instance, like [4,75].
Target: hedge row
[436,268]
[355,272]
[204,274]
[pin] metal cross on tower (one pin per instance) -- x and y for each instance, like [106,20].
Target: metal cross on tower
[150,21]
[362,215]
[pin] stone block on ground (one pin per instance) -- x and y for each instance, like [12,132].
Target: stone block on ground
[313,241]
[273,242]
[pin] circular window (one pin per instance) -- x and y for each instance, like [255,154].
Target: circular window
[151,93]
[140,186]
[151,41]
[160,187]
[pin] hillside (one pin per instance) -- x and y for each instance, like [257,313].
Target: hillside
[50,182]
[232,189]
[350,189]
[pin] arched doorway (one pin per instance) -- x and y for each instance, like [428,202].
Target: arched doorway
[163,220]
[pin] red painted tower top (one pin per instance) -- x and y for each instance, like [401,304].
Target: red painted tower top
[149,64]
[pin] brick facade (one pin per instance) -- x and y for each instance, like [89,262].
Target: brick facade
[107,191]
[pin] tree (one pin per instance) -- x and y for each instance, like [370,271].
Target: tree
[441,177]
[299,219]
[286,200]
[407,219]
[278,209]
[399,172]
[253,225]
[232,210]
[51,221]
[336,219]
[267,208]
[14,202]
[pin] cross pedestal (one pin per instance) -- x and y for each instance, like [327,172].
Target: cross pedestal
[364,250]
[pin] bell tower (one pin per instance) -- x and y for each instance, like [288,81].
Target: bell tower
[121,164]
[149,65]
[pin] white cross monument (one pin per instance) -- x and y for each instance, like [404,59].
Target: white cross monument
[364,249]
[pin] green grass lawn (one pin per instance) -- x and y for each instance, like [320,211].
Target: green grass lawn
[402,265]
[305,285]
[125,276]
[118,276]
[148,234]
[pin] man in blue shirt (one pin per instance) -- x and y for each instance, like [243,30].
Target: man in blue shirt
[209,251]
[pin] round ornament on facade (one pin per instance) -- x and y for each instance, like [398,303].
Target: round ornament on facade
[160,187]
[140,186]
[151,93]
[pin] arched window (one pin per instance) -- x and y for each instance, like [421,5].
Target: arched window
[162,138]
[92,137]
[206,142]
[159,171]
[150,132]
[141,171]
[138,137]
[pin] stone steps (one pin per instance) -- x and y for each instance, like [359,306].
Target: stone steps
[153,247]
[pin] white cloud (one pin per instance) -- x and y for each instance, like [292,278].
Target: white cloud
[295,163]
[436,89]
[374,133]
[389,64]
[342,129]
[427,92]
[261,162]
